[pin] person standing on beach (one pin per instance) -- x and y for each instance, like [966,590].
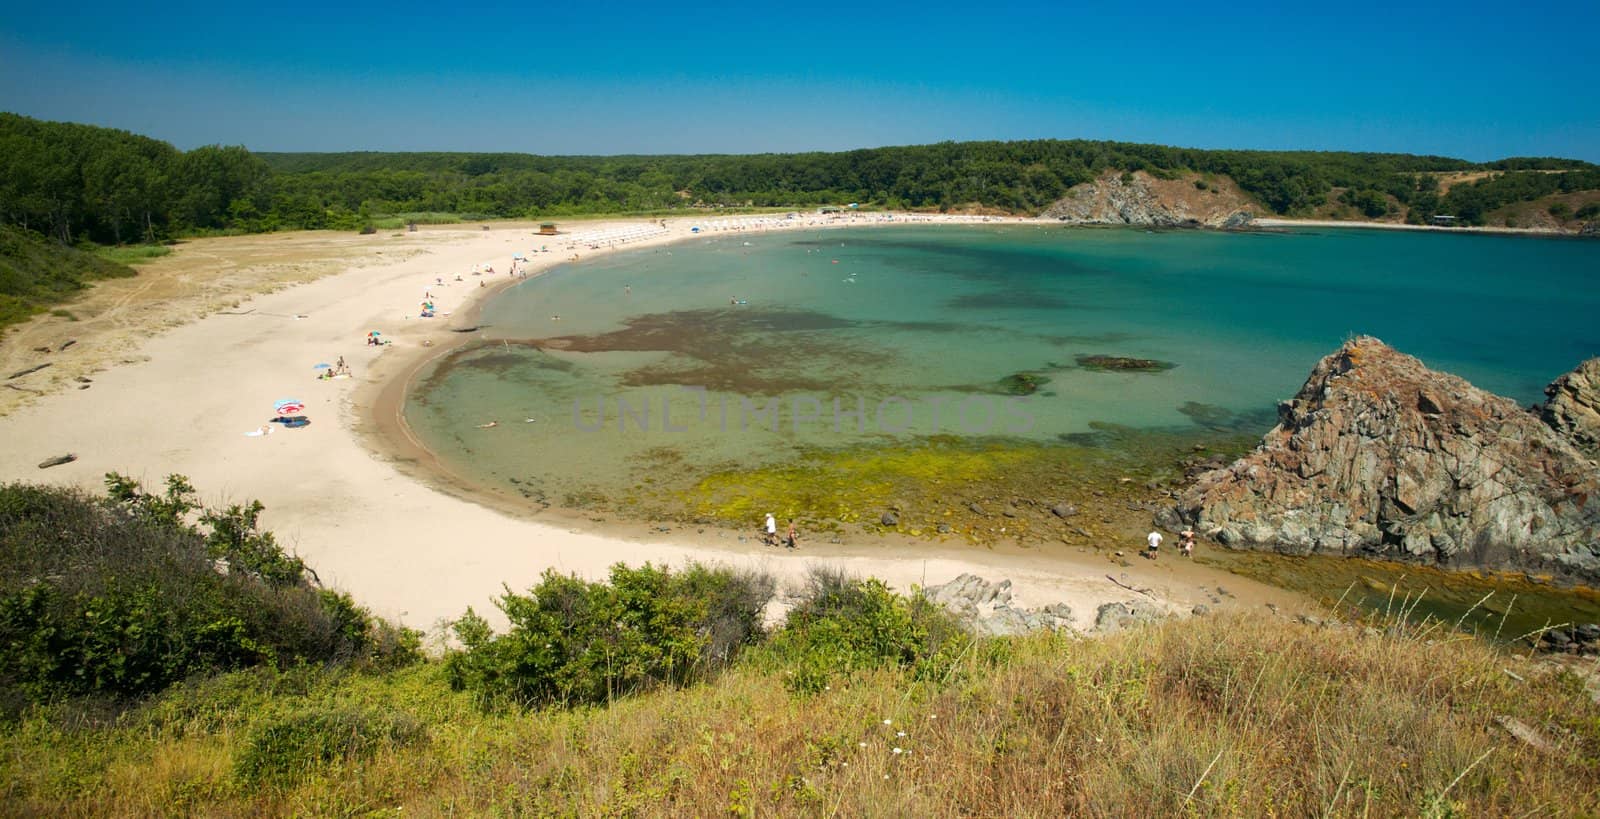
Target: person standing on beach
[771,534]
[1186,543]
[794,535]
[1154,539]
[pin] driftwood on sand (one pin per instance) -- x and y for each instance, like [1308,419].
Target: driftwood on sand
[58,460]
[20,373]
[1145,592]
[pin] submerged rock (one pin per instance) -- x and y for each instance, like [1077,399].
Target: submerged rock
[1379,455]
[1121,363]
[1022,383]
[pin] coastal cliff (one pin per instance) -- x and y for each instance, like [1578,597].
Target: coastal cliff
[1378,455]
[1141,199]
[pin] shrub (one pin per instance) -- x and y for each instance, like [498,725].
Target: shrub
[283,750]
[575,642]
[1588,211]
[842,624]
[1560,210]
[123,596]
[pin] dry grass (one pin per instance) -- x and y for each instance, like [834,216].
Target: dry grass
[1226,716]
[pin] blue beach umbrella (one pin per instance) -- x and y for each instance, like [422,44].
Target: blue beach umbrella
[323,366]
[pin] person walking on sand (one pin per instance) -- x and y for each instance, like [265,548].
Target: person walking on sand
[1154,539]
[771,534]
[794,535]
[1186,543]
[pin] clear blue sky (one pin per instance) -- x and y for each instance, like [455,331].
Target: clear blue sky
[1466,79]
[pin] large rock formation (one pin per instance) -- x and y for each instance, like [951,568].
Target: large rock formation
[1141,199]
[1379,455]
[1573,407]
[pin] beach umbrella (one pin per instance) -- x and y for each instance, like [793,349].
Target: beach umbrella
[322,366]
[289,406]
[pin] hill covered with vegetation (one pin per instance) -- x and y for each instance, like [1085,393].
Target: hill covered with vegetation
[158,658]
[36,273]
[77,181]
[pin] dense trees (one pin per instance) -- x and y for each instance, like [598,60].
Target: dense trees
[77,181]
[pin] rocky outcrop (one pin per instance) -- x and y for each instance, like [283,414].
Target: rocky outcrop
[1378,455]
[986,608]
[1140,199]
[1572,407]
[1114,617]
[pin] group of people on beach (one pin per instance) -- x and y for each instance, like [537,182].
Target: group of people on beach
[1185,543]
[769,533]
[338,369]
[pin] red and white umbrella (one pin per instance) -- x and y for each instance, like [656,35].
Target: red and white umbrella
[289,406]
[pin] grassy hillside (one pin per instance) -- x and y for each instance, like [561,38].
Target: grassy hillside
[1229,716]
[37,273]
[139,678]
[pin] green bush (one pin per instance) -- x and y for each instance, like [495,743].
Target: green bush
[123,596]
[1560,210]
[575,642]
[284,750]
[1589,211]
[842,624]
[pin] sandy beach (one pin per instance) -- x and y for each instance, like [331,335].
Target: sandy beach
[176,382]
[1333,223]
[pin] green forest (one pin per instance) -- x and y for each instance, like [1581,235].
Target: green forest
[84,183]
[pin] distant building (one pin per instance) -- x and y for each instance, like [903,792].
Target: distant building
[830,209]
[1445,221]
[547,228]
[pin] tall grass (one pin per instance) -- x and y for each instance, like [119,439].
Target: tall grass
[395,221]
[1231,716]
[130,254]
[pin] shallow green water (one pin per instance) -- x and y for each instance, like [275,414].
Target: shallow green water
[888,334]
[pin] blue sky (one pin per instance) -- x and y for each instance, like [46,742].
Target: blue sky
[1463,79]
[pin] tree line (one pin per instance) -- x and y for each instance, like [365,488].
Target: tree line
[79,182]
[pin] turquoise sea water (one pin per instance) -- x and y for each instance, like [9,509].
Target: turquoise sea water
[925,322]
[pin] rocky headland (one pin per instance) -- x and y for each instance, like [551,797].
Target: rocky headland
[1379,456]
[1140,199]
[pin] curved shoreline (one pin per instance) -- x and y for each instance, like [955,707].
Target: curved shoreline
[383,427]
[362,501]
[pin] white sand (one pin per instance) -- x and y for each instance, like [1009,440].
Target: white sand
[400,545]
[1334,223]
